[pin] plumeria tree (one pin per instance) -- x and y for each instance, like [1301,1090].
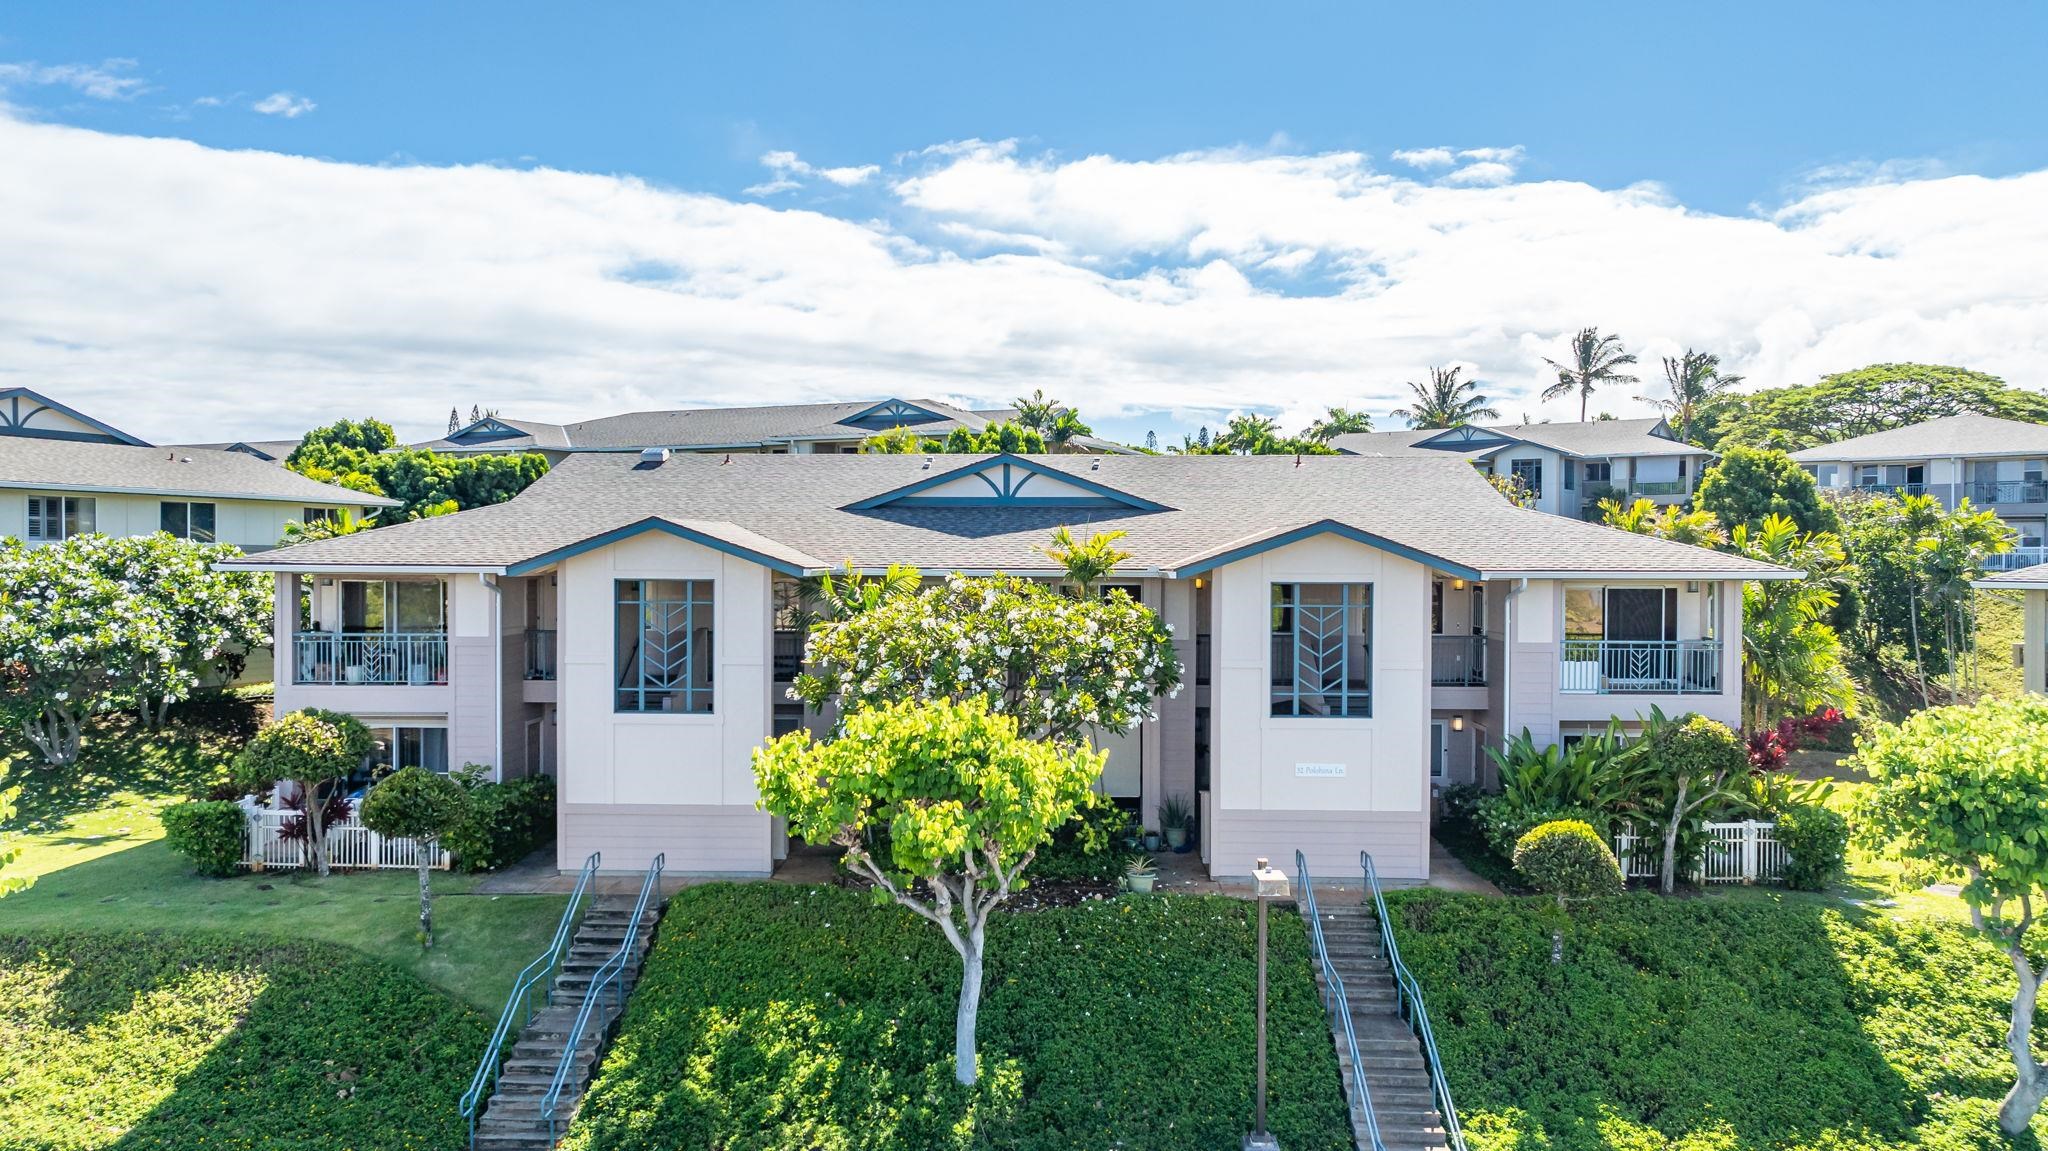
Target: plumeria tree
[963,798]
[1965,790]
[1059,665]
[212,617]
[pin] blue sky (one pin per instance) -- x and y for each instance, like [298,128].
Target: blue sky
[1727,111]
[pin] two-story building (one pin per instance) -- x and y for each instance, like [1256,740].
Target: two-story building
[1567,467]
[1994,463]
[1351,630]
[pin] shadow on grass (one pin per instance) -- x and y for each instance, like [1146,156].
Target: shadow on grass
[118,756]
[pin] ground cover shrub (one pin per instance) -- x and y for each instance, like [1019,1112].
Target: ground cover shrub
[771,1016]
[505,822]
[1767,1022]
[1091,847]
[139,1040]
[212,834]
[1816,842]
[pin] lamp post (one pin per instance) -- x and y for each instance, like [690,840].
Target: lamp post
[1269,883]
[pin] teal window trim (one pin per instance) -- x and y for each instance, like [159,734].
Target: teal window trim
[665,664]
[1316,672]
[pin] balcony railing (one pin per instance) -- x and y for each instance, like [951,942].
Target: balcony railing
[2017,558]
[377,657]
[1641,667]
[789,653]
[1457,660]
[1895,489]
[2009,492]
[540,653]
[1659,488]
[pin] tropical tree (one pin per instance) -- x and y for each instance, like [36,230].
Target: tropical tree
[1696,763]
[1749,485]
[341,522]
[1446,401]
[1913,563]
[1965,790]
[1595,360]
[1066,427]
[213,618]
[1038,411]
[1791,656]
[311,751]
[941,805]
[1646,517]
[1336,422]
[1876,398]
[1695,381]
[363,456]
[1512,488]
[1254,435]
[415,803]
[1087,564]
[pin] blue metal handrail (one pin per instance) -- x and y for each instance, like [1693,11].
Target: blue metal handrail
[521,1001]
[1338,1003]
[611,973]
[1413,1009]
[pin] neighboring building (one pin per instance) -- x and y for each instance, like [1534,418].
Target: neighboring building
[2032,653]
[1352,632]
[1570,467]
[1994,463]
[269,451]
[63,473]
[796,429]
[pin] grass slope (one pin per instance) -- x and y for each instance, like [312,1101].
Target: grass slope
[1703,1024]
[149,1041]
[781,1017]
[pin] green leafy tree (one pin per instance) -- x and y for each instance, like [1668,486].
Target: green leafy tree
[1038,411]
[897,441]
[1696,764]
[1567,860]
[312,751]
[1061,666]
[1647,517]
[9,884]
[1876,398]
[1087,564]
[1512,488]
[1748,485]
[414,803]
[1336,422]
[1256,435]
[364,435]
[1791,655]
[1446,401]
[1965,790]
[363,456]
[342,522]
[1694,384]
[1912,566]
[1002,437]
[1066,428]
[1594,361]
[966,801]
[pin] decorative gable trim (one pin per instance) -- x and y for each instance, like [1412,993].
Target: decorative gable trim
[488,428]
[20,406]
[1007,481]
[1465,437]
[1200,564]
[893,413]
[794,564]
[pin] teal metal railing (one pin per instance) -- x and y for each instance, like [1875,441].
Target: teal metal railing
[531,987]
[1409,994]
[609,977]
[1335,1001]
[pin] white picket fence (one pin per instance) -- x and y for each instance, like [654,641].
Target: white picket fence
[1742,852]
[350,845]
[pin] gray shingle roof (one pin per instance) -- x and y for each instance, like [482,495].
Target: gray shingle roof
[1436,506]
[1594,438]
[1968,434]
[2035,577]
[61,465]
[277,450]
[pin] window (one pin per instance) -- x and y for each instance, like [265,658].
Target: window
[59,517]
[1530,472]
[662,645]
[1710,611]
[1478,609]
[1436,608]
[187,521]
[1439,747]
[1621,613]
[1599,472]
[1571,474]
[395,747]
[1322,650]
[317,516]
[392,606]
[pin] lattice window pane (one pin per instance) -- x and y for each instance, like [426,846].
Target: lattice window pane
[663,645]
[1322,650]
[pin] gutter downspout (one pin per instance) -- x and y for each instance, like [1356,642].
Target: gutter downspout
[497,673]
[1507,657]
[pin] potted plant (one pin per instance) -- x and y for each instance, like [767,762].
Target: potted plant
[1174,818]
[1140,874]
[1151,841]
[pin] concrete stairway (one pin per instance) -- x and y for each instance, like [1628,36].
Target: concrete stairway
[1396,1074]
[512,1120]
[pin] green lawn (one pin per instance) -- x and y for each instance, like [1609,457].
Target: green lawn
[1699,1024]
[111,1039]
[773,1016]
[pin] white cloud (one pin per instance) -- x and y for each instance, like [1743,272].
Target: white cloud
[849,177]
[788,171]
[1485,174]
[192,293]
[1424,157]
[107,80]
[287,104]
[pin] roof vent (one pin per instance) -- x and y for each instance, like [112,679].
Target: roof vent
[654,456]
[927,466]
[1095,465]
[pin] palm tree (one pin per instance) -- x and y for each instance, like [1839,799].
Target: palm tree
[1066,427]
[342,522]
[1339,422]
[1037,412]
[1695,379]
[1446,402]
[1595,360]
[1086,564]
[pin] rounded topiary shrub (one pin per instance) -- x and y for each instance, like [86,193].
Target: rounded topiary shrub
[210,833]
[1816,843]
[1567,859]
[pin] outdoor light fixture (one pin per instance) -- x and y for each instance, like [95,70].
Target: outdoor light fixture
[1198,583]
[1458,585]
[1268,883]
[1457,723]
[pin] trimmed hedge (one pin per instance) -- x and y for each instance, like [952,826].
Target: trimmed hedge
[1567,859]
[1708,1024]
[212,834]
[505,823]
[1816,843]
[140,1040]
[773,1017]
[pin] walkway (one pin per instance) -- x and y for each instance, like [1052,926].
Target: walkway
[1183,874]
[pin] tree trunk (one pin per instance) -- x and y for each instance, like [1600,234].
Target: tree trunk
[2031,1086]
[1919,665]
[970,1007]
[1670,873]
[316,826]
[55,734]
[426,899]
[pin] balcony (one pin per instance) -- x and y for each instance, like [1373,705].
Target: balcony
[379,657]
[1640,667]
[789,653]
[2017,558]
[2009,492]
[1660,489]
[540,653]
[1457,660]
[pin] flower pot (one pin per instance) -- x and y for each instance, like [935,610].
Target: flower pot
[1142,883]
[1151,841]
[1176,837]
